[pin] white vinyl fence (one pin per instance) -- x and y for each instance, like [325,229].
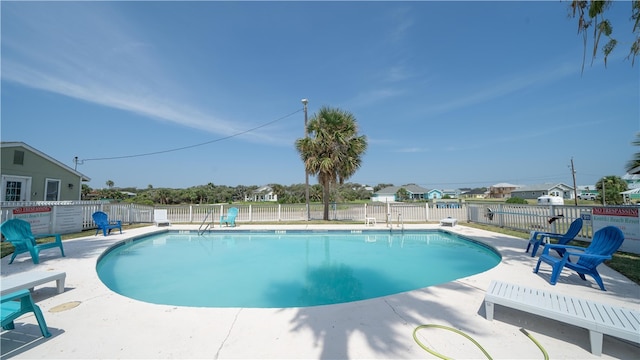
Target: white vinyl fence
[517,217]
[524,217]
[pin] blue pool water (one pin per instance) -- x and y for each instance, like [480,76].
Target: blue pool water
[280,269]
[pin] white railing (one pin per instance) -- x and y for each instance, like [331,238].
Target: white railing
[523,218]
[250,213]
[531,217]
[518,217]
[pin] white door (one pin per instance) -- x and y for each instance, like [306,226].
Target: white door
[16,188]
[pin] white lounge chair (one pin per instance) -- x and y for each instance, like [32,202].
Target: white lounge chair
[598,318]
[31,279]
[449,221]
[160,217]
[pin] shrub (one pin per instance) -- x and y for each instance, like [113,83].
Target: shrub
[516,200]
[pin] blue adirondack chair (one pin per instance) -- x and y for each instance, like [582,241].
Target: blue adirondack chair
[17,304]
[605,242]
[538,237]
[230,218]
[102,221]
[18,233]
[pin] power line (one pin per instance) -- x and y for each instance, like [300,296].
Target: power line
[189,146]
[482,183]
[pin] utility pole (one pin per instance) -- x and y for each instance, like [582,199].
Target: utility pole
[575,189]
[306,173]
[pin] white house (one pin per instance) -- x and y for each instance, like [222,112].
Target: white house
[388,194]
[535,191]
[632,180]
[453,193]
[262,194]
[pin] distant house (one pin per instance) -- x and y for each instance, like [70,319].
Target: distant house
[31,175]
[534,191]
[385,195]
[587,190]
[501,190]
[128,194]
[435,194]
[389,194]
[474,194]
[632,180]
[631,196]
[452,193]
[262,194]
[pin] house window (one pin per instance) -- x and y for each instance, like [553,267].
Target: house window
[13,191]
[52,189]
[18,157]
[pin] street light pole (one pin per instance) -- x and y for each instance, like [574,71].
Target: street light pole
[306,173]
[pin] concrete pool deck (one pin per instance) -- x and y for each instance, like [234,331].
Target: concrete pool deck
[88,321]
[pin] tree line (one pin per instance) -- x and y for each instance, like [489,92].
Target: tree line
[214,194]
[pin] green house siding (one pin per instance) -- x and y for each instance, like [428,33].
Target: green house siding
[22,162]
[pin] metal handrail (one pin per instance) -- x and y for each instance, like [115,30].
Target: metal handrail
[400,221]
[200,229]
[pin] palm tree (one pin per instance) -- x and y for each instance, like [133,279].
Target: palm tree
[633,166]
[86,190]
[402,194]
[110,183]
[333,150]
[610,188]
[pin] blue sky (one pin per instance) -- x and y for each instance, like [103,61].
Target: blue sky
[449,94]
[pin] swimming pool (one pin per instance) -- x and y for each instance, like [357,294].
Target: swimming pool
[279,269]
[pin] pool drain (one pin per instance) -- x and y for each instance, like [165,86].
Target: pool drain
[64,307]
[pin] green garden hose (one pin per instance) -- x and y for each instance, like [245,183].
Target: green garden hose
[546,356]
[544,352]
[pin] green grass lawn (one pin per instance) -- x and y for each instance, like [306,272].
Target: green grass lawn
[625,263]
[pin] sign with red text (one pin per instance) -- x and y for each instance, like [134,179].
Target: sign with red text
[625,218]
[38,216]
[47,219]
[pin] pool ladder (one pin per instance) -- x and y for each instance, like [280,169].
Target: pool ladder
[399,224]
[204,226]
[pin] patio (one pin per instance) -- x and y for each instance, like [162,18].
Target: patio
[89,321]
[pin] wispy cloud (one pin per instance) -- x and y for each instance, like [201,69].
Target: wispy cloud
[412,150]
[397,73]
[503,88]
[374,96]
[402,21]
[102,60]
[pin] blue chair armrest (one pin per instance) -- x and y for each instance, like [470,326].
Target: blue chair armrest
[548,247]
[592,256]
[566,247]
[14,296]
[40,236]
[541,234]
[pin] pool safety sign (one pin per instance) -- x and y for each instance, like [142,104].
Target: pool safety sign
[38,216]
[625,218]
[44,220]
